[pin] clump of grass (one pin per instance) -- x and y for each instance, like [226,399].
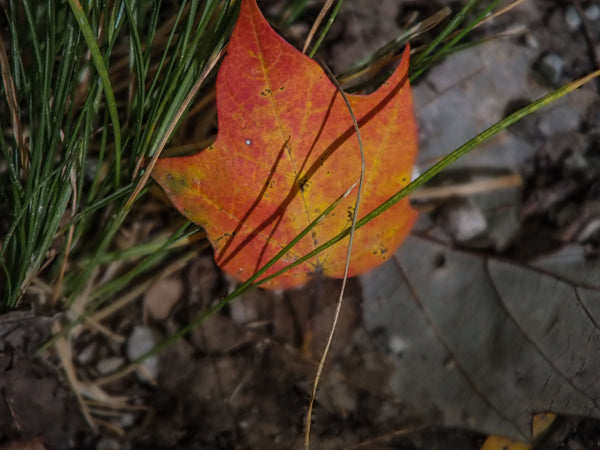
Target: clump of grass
[90,93]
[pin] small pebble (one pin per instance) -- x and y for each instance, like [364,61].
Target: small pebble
[127,420]
[462,220]
[108,444]
[108,365]
[576,162]
[592,12]
[550,66]
[85,356]
[531,41]
[243,312]
[142,340]
[559,120]
[574,444]
[397,345]
[589,231]
[572,18]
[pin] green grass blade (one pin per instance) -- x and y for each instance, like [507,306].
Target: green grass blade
[419,60]
[326,28]
[422,64]
[102,70]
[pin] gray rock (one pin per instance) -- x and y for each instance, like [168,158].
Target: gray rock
[85,356]
[127,420]
[572,18]
[576,162]
[592,12]
[574,444]
[550,67]
[532,41]
[108,365]
[108,444]
[462,220]
[557,121]
[142,340]
[591,229]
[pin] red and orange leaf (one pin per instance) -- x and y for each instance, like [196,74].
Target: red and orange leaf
[286,149]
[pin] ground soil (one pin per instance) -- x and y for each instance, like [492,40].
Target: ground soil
[243,379]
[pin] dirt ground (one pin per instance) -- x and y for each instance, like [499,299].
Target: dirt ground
[243,379]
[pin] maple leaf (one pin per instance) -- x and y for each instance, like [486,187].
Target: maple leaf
[286,149]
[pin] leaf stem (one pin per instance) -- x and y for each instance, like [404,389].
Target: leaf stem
[338,306]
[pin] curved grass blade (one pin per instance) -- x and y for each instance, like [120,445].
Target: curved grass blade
[111,103]
[325,30]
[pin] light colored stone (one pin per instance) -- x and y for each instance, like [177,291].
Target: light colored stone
[162,296]
[592,12]
[550,66]
[462,220]
[559,120]
[110,364]
[142,340]
[572,18]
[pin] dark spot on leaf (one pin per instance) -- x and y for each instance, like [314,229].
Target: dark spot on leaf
[404,180]
[450,363]
[439,261]
[303,184]
[350,213]
[169,177]
[282,88]
[265,93]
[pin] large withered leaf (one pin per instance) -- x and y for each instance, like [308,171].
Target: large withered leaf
[486,343]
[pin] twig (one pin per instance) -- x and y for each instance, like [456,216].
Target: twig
[474,187]
[589,39]
[64,354]
[339,302]
[316,25]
